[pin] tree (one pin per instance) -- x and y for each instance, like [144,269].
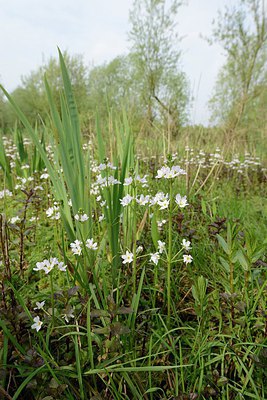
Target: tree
[156,57]
[31,94]
[113,86]
[242,32]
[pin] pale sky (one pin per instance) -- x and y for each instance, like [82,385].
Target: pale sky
[31,30]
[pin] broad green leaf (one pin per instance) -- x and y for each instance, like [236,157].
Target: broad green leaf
[223,244]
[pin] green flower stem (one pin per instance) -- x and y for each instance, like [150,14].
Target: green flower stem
[52,299]
[174,259]
[156,285]
[134,245]
[169,258]
[232,292]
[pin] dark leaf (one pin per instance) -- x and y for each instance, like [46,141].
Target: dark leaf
[32,384]
[99,313]
[124,310]
[72,291]
[222,381]
[53,384]
[104,331]
[241,306]
[119,329]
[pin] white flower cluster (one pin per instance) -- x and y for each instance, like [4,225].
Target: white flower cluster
[81,217]
[23,182]
[25,166]
[102,167]
[102,182]
[207,160]
[106,181]
[48,265]
[13,220]
[53,212]
[160,223]
[37,322]
[39,306]
[154,257]
[38,188]
[169,173]
[4,193]
[102,202]
[161,199]
[129,181]
[76,246]
[187,258]
[44,176]
[11,150]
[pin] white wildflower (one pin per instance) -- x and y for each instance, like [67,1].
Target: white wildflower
[62,267]
[126,200]
[181,201]
[91,245]
[44,176]
[13,220]
[128,181]
[39,305]
[127,257]
[186,244]
[187,258]
[48,265]
[154,257]
[142,180]
[101,217]
[39,266]
[68,313]
[161,246]
[139,249]
[76,247]
[163,204]
[143,200]
[37,324]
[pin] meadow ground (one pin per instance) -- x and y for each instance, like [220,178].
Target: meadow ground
[156,290]
[130,277]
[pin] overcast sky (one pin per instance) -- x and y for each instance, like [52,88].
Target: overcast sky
[31,30]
